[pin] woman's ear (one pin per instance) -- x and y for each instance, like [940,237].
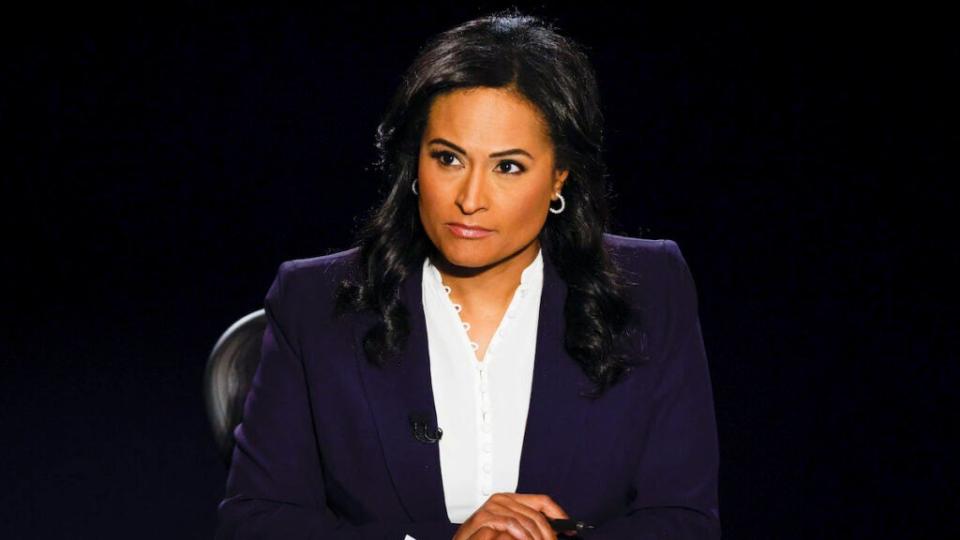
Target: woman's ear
[560,178]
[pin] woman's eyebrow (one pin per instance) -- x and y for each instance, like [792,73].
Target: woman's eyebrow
[443,141]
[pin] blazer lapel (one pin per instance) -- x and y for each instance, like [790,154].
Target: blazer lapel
[556,411]
[394,392]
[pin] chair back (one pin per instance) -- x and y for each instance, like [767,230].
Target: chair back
[229,373]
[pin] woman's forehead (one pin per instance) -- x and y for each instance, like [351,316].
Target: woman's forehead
[486,118]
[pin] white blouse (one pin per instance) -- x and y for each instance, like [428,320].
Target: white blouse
[481,405]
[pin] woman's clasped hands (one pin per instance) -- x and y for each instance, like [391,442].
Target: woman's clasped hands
[509,516]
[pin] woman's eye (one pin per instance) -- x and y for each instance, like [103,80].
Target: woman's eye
[514,163]
[440,155]
[503,166]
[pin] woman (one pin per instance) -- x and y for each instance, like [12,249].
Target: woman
[486,358]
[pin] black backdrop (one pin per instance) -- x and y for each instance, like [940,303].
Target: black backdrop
[161,162]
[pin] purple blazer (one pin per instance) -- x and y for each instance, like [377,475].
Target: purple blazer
[325,449]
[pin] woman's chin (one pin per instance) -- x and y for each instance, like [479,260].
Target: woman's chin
[468,256]
[467,261]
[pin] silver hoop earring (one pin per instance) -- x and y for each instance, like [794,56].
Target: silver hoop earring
[563,204]
[413,187]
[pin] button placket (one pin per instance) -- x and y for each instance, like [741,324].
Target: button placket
[483,481]
[484,429]
[486,436]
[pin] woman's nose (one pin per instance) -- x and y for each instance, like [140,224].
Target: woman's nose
[472,196]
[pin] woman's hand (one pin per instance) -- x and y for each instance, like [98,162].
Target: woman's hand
[520,516]
[490,534]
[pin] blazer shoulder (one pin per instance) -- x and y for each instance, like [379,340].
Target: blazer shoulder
[316,277]
[644,256]
[336,262]
[632,245]
[659,280]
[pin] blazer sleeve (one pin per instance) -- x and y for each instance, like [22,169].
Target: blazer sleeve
[676,482]
[275,486]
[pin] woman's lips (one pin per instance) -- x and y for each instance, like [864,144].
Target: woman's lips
[466,232]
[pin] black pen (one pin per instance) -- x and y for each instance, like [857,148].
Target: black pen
[563,525]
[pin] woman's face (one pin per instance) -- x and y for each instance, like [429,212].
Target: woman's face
[486,161]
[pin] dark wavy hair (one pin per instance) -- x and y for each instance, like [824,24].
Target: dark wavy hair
[523,53]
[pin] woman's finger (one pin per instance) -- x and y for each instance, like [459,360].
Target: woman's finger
[500,518]
[544,505]
[536,517]
[487,533]
[502,506]
[484,525]
[541,503]
[523,516]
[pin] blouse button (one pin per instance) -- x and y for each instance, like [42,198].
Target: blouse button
[486,467]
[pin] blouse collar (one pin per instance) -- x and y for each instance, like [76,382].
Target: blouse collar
[531,276]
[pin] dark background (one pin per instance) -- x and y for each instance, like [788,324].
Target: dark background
[161,162]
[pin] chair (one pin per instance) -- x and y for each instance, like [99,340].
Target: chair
[229,372]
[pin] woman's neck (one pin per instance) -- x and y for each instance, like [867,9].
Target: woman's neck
[493,284]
